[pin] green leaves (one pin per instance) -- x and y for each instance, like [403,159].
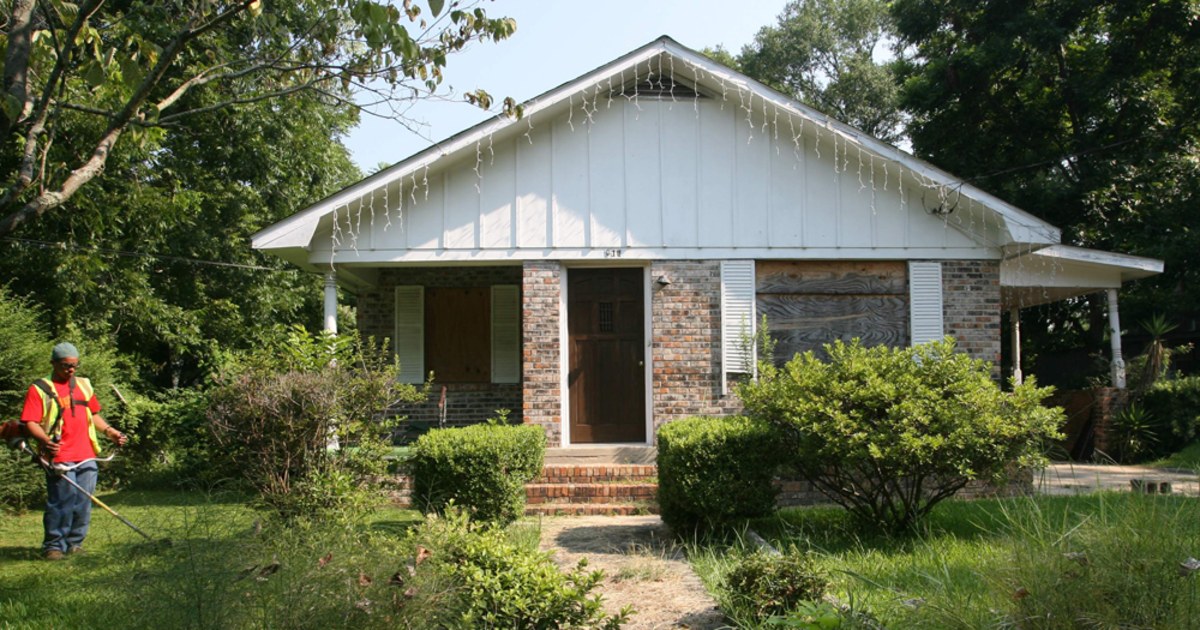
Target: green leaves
[889,432]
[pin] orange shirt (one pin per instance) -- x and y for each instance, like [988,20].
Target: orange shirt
[74,445]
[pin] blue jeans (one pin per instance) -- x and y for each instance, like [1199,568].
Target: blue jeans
[68,511]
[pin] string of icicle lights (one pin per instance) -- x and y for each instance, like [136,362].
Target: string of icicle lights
[662,77]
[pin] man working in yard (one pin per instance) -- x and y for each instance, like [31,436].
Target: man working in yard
[61,414]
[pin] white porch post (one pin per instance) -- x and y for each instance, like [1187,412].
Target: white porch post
[1014,317]
[1114,330]
[331,303]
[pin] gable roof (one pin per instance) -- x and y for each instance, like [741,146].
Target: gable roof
[292,236]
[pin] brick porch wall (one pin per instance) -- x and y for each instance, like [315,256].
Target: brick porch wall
[686,342]
[541,295]
[971,297]
[466,403]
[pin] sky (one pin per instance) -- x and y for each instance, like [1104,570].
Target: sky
[555,42]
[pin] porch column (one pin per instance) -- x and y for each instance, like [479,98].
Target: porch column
[1114,330]
[1014,319]
[331,303]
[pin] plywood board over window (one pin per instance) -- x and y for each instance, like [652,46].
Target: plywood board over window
[458,334]
[811,303]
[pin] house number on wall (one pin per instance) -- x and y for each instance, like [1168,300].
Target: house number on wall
[612,253]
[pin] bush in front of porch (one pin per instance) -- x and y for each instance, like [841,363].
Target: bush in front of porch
[712,471]
[482,468]
[887,433]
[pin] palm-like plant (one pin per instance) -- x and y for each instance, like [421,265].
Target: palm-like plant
[1158,356]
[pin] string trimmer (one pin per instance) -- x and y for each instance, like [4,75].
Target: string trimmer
[59,469]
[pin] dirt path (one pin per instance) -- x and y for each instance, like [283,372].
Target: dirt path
[642,566]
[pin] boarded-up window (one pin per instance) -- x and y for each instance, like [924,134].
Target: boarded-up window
[458,334]
[462,335]
[812,303]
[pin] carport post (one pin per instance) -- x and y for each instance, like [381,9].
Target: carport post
[331,302]
[1114,331]
[1014,319]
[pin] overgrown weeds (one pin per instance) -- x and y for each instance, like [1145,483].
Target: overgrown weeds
[1108,560]
[230,567]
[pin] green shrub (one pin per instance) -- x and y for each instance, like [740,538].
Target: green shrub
[1135,434]
[478,576]
[1175,406]
[714,470]
[24,349]
[889,432]
[22,483]
[305,422]
[483,468]
[174,445]
[761,585]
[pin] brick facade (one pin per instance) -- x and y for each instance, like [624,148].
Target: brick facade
[971,298]
[541,350]
[686,341]
[685,337]
[466,403]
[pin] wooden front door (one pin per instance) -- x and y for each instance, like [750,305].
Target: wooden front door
[607,379]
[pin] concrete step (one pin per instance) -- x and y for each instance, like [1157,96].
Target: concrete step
[600,455]
[589,509]
[540,493]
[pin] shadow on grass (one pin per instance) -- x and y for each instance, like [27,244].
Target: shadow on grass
[395,527]
[162,498]
[13,554]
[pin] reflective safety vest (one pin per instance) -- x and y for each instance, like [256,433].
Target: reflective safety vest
[53,407]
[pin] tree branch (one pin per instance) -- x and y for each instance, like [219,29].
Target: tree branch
[117,125]
[16,58]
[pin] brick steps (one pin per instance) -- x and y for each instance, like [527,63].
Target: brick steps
[589,492]
[596,473]
[588,509]
[570,489]
[588,489]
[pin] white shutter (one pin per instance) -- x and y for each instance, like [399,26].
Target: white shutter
[506,333]
[925,302]
[737,318]
[410,333]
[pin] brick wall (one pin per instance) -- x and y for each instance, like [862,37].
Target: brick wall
[466,403]
[971,294]
[686,342]
[685,336]
[541,294]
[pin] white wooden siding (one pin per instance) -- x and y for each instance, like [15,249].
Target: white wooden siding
[657,179]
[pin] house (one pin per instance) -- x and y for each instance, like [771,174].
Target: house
[596,265]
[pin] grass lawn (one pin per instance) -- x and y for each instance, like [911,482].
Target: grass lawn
[1104,561]
[226,568]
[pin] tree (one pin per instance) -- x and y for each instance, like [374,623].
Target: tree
[82,78]
[829,54]
[170,277]
[1085,113]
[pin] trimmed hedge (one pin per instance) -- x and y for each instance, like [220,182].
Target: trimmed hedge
[482,468]
[712,471]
